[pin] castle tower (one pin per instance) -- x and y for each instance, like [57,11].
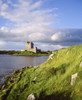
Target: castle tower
[29,46]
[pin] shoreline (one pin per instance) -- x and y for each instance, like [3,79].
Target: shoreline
[8,73]
[25,53]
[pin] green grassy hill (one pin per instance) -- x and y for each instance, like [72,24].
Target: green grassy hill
[49,81]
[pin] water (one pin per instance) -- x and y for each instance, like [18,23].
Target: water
[10,63]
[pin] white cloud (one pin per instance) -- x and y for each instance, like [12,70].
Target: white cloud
[37,37]
[48,46]
[56,37]
[2,44]
[30,22]
[4,29]
[26,11]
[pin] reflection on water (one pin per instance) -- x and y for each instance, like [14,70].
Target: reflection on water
[10,63]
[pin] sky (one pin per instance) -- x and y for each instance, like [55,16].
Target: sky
[50,24]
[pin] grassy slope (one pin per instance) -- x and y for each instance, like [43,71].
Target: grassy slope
[53,78]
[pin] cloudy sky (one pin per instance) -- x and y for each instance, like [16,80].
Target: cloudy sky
[50,24]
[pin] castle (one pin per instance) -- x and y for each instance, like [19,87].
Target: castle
[30,47]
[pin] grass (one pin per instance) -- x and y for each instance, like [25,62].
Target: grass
[29,53]
[26,53]
[53,78]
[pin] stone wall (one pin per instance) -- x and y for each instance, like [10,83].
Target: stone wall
[33,50]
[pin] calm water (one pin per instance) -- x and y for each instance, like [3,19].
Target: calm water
[10,63]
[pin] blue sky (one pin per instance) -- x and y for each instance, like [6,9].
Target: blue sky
[45,22]
[69,11]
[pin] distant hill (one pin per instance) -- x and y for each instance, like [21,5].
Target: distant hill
[59,78]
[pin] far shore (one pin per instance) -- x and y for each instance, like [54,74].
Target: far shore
[25,53]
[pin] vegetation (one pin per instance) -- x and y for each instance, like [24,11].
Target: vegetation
[53,78]
[29,53]
[26,53]
[8,52]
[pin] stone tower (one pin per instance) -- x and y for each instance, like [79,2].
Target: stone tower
[30,47]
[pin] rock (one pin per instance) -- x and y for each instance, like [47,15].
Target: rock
[51,56]
[36,66]
[35,78]
[73,78]
[31,97]
[24,67]
[81,64]
[11,81]
[30,66]
[67,52]
[15,72]
[3,87]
